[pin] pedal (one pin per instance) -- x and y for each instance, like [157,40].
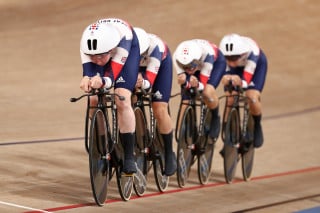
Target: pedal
[127,175]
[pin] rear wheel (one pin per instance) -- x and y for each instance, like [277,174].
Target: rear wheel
[124,181]
[98,157]
[185,148]
[248,154]
[161,179]
[140,179]
[231,145]
[206,151]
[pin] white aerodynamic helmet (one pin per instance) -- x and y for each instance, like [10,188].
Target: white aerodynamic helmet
[99,38]
[144,40]
[187,51]
[233,44]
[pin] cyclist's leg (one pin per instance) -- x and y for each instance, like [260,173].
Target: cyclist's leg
[126,121]
[165,129]
[124,85]
[210,91]
[256,111]
[162,90]
[254,93]
[213,104]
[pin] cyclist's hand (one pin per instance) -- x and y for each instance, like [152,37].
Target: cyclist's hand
[146,85]
[139,81]
[194,82]
[182,78]
[236,80]
[96,82]
[226,79]
[85,84]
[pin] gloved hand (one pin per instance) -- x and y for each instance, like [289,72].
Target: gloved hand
[146,84]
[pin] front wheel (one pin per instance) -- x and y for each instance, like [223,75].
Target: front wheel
[231,145]
[185,148]
[98,157]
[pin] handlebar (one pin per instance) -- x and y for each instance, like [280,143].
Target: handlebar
[230,87]
[102,91]
[142,91]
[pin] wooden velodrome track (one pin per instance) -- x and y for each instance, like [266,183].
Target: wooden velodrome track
[43,163]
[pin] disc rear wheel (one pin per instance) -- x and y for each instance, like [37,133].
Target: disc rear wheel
[140,179]
[207,150]
[161,179]
[124,181]
[248,154]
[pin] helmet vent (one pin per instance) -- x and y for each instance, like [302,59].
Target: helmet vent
[92,45]
[89,44]
[229,47]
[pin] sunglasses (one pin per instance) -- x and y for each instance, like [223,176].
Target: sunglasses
[100,55]
[233,57]
[192,65]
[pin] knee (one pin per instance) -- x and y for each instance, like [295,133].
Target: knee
[125,104]
[211,98]
[254,96]
[160,111]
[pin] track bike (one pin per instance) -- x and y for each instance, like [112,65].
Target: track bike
[237,134]
[194,143]
[149,151]
[102,143]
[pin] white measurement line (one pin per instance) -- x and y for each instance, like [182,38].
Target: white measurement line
[22,207]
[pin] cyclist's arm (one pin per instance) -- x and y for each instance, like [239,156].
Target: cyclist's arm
[206,69]
[191,81]
[120,57]
[251,63]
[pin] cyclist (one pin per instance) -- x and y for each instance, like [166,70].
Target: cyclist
[247,67]
[155,74]
[200,64]
[109,52]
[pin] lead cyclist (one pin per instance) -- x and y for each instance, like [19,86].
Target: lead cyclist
[109,51]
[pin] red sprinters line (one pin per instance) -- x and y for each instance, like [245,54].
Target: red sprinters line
[56,209]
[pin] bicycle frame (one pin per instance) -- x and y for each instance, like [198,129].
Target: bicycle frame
[153,150]
[144,100]
[194,142]
[234,133]
[105,102]
[196,100]
[240,101]
[102,152]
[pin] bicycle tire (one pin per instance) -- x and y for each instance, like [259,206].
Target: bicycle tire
[124,181]
[231,145]
[206,151]
[162,181]
[140,178]
[248,156]
[98,161]
[185,147]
